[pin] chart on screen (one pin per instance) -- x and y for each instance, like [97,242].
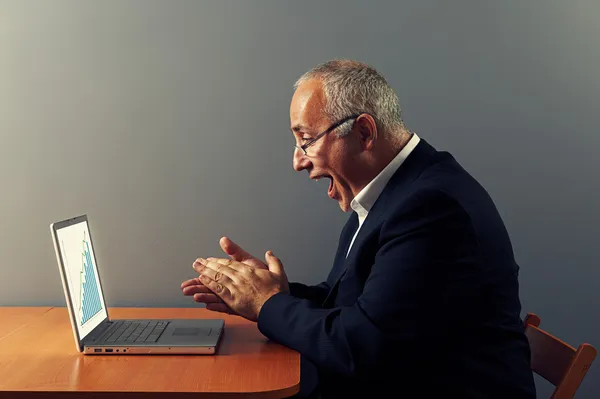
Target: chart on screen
[90,303]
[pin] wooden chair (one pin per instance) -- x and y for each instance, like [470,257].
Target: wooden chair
[558,362]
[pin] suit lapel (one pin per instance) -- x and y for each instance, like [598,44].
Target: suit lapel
[393,191]
[343,244]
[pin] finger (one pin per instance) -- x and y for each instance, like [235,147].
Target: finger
[196,289]
[239,267]
[207,298]
[198,261]
[239,255]
[236,267]
[232,249]
[222,261]
[220,288]
[201,262]
[218,270]
[219,307]
[275,265]
[190,282]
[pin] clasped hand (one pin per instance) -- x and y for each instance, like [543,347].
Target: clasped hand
[240,285]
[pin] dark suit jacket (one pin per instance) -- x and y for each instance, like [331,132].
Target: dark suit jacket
[426,304]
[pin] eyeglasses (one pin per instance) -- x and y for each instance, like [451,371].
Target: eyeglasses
[312,141]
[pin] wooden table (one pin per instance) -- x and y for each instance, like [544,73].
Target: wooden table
[37,354]
[14,318]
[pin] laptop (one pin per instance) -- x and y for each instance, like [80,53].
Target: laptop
[95,333]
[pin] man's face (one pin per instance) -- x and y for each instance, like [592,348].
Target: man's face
[330,157]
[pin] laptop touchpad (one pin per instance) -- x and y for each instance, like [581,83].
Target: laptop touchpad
[191,332]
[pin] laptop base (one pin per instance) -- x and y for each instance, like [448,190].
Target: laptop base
[148,350]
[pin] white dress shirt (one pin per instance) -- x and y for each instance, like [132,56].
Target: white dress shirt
[364,200]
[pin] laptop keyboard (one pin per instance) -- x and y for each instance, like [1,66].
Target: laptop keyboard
[134,332]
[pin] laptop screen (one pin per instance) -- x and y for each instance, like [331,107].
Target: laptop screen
[81,275]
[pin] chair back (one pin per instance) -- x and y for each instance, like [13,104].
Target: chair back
[558,362]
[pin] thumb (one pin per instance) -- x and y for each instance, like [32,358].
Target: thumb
[275,265]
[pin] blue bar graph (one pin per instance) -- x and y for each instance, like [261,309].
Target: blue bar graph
[90,292]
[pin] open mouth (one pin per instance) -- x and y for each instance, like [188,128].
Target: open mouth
[330,192]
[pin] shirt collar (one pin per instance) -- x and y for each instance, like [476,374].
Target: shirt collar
[365,199]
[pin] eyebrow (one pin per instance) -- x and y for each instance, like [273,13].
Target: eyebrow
[300,128]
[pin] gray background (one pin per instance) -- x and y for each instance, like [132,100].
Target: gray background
[167,122]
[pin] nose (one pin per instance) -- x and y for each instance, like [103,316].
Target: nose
[300,160]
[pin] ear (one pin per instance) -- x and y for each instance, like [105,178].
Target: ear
[367,131]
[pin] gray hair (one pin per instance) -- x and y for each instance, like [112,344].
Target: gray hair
[351,87]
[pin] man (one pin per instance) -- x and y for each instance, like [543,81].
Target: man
[422,299]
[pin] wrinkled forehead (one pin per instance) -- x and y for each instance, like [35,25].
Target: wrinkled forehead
[306,108]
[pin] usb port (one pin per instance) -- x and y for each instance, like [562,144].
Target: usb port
[97,350]
[107,350]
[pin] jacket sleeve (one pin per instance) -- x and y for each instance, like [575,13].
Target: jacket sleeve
[406,298]
[314,293]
